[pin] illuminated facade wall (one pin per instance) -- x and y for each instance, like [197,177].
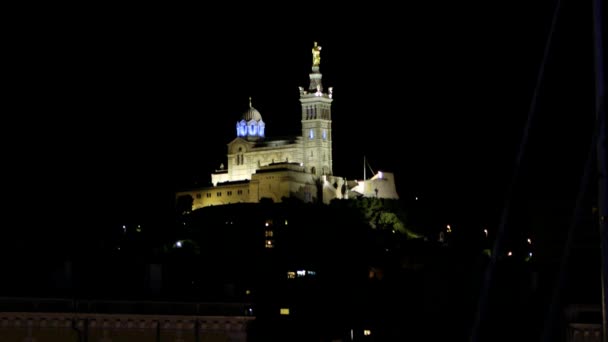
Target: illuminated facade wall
[382,185]
[245,157]
[273,182]
[220,195]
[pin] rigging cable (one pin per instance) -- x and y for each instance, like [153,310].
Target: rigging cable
[497,248]
[551,316]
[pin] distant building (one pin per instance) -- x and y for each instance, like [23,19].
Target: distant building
[295,167]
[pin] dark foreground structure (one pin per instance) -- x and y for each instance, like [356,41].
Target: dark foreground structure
[64,320]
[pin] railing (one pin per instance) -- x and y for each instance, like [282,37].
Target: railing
[20,304]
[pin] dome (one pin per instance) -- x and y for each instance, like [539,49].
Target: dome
[252,114]
[251,126]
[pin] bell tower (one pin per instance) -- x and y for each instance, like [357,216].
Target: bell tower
[316,121]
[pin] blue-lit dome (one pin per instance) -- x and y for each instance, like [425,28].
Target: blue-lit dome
[251,126]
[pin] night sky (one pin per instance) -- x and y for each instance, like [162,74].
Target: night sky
[116,111]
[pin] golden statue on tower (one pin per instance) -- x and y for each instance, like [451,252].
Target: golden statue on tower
[316,55]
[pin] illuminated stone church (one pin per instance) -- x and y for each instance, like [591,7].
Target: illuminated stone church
[299,166]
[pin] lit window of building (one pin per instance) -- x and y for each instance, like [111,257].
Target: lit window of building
[269,244]
[291,275]
[284,311]
[268,233]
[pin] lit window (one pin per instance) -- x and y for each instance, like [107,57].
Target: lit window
[291,275]
[301,273]
[311,134]
[324,134]
[268,233]
[284,311]
[367,332]
[269,244]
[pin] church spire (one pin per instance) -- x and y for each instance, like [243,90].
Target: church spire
[315,76]
[316,121]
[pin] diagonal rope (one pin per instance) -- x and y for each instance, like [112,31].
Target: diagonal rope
[482,307]
[549,326]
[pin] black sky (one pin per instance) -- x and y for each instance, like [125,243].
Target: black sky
[117,109]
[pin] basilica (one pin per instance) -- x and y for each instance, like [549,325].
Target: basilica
[300,166]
